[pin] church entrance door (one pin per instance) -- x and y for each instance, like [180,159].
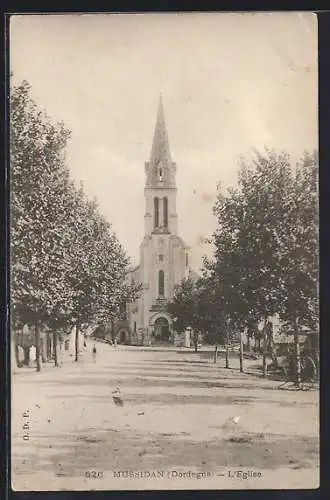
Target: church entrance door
[162,330]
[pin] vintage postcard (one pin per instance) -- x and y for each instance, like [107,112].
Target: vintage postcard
[164,251]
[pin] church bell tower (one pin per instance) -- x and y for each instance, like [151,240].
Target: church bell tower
[163,254]
[160,188]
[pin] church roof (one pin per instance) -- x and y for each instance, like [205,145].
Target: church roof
[160,150]
[160,170]
[181,241]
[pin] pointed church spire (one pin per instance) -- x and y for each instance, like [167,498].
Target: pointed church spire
[160,170]
[160,151]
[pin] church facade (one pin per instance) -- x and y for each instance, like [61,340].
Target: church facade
[164,256]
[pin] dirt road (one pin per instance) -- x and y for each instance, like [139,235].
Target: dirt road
[185,423]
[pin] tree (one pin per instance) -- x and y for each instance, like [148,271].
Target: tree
[264,191]
[259,243]
[183,305]
[37,171]
[68,267]
[226,269]
[298,254]
[98,270]
[210,315]
[195,305]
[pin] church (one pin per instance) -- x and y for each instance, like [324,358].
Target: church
[164,256]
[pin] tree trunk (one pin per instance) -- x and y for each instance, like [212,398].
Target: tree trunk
[215,354]
[297,355]
[227,354]
[26,360]
[16,354]
[38,353]
[77,341]
[227,350]
[241,349]
[248,342]
[43,349]
[113,331]
[273,353]
[195,342]
[264,350]
[55,348]
[49,347]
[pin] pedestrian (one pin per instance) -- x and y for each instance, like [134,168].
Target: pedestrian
[94,352]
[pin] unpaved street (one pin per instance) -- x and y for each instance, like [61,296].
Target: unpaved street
[181,416]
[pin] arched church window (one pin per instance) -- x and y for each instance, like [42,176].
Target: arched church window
[156,212]
[160,174]
[165,212]
[161,283]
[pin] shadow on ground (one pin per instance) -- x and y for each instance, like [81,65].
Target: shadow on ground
[113,450]
[165,381]
[164,398]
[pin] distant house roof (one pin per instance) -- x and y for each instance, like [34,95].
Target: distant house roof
[133,269]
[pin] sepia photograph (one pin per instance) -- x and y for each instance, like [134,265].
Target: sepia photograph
[164,244]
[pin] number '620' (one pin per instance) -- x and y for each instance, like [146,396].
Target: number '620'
[93,474]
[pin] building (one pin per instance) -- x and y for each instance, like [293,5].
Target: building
[164,256]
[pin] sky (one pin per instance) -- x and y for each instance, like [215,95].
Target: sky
[231,83]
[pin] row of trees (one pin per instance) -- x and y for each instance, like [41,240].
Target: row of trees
[265,258]
[68,267]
